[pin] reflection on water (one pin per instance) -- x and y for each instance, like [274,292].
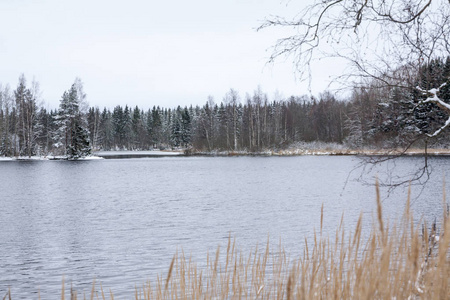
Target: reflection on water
[121,221]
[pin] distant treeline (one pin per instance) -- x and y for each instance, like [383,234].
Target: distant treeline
[373,115]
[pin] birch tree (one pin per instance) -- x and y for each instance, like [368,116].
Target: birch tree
[231,100]
[26,111]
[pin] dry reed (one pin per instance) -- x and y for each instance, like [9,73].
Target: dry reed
[392,262]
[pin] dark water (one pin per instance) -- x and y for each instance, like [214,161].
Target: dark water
[121,221]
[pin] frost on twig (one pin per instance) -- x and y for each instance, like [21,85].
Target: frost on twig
[434,98]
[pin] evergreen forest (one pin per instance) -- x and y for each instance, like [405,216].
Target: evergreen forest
[374,114]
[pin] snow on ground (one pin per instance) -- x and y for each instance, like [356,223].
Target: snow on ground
[26,158]
[93,157]
[291,151]
[97,155]
[131,153]
[31,158]
[36,158]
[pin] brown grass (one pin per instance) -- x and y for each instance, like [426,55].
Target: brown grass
[393,262]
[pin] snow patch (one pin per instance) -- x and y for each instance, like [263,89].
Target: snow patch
[93,157]
[24,158]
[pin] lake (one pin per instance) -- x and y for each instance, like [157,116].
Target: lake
[120,221]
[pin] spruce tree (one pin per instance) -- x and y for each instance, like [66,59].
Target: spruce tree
[156,127]
[185,127]
[429,117]
[72,133]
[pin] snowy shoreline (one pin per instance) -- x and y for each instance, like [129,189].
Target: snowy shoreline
[43,158]
[100,155]
[326,152]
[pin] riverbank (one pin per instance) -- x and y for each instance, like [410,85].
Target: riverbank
[291,151]
[50,157]
[325,152]
[320,148]
[138,154]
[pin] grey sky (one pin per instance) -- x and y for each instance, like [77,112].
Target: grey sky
[146,53]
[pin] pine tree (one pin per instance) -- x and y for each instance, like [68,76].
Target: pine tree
[127,127]
[176,128]
[156,127]
[72,134]
[80,145]
[185,127]
[118,122]
[106,134]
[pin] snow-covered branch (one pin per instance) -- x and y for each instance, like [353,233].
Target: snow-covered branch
[436,100]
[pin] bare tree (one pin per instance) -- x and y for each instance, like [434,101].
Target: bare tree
[375,36]
[207,123]
[232,99]
[385,42]
[26,105]
[7,105]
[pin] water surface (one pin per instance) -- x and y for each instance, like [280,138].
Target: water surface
[121,221]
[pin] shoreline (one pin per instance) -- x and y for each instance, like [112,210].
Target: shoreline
[304,152]
[100,155]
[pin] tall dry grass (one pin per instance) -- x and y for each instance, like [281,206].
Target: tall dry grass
[402,261]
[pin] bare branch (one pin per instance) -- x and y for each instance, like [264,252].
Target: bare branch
[410,30]
[414,16]
[436,100]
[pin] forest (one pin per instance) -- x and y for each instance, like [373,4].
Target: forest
[374,114]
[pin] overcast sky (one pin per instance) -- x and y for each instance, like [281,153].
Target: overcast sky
[145,52]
